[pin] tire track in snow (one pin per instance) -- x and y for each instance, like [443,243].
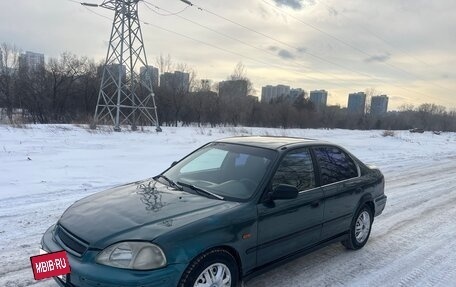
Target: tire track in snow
[414,261]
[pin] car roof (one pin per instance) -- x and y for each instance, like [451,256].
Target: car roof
[271,142]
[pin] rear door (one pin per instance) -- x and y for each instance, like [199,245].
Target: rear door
[340,181]
[286,226]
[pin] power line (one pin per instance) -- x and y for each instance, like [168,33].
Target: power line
[253,59]
[94,12]
[217,47]
[307,52]
[161,14]
[275,39]
[298,65]
[146,3]
[260,61]
[347,43]
[375,35]
[402,51]
[223,49]
[193,39]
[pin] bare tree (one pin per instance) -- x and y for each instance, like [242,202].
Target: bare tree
[171,96]
[9,66]
[164,64]
[192,75]
[240,73]
[406,108]
[66,90]
[370,92]
[63,73]
[34,93]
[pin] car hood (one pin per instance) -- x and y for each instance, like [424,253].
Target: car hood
[137,211]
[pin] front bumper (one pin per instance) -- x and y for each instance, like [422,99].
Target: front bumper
[85,272]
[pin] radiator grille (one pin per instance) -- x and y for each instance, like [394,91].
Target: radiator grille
[70,242]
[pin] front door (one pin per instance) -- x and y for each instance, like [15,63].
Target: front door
[287,226]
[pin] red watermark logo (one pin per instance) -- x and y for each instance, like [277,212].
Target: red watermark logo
[50,265]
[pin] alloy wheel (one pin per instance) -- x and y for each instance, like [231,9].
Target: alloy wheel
[216,275]
[362,227]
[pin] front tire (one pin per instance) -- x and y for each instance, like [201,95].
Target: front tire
[360,229]
[216,268]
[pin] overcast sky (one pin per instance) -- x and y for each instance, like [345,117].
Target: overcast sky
[405,49]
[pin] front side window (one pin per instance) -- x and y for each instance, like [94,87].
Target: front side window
[335,165]
[295,169]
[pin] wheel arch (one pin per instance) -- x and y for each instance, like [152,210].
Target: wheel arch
[368,200]
[230,250]
[365,201]
[226,248]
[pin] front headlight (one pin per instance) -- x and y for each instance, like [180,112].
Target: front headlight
[133,255]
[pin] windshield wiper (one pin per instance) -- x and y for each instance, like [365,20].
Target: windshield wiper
[170,181]
[200,190]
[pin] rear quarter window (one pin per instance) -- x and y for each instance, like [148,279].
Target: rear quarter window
[335,165]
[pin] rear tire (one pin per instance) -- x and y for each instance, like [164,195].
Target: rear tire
[360,229]
[216,267]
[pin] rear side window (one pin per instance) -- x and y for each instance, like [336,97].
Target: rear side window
[296,169]
[335,165]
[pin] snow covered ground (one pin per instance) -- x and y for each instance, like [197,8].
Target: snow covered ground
[43,169]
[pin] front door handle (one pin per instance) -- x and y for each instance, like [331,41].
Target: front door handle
[315,204]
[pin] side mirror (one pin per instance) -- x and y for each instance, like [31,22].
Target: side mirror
[284,191]
[174,163]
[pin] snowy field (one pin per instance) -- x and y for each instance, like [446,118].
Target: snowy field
[43,169]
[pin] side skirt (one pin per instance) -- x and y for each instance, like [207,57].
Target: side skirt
[271,265]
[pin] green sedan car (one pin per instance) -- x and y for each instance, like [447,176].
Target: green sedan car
[220,215]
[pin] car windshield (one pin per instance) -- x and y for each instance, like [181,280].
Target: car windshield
[230,171]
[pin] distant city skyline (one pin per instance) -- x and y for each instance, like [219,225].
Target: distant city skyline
[150,73]
[177,81]
[319,98]
[31,61]
[356,103]
[379,105]
[231,88]
[382,45]
[270,92]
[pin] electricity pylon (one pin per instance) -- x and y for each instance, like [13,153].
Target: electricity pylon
[125,97]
